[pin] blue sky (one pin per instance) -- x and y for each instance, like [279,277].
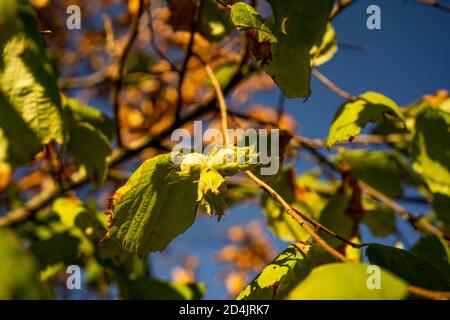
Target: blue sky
[407,58]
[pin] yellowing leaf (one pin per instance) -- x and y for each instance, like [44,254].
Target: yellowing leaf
[245,17]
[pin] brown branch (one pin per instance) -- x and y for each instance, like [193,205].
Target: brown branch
[429,294]
[193,27]
[435,4]
[339,7]
[311,145]
[299,218]
[417,223]
[331,85]
[119,155]
[293,214]
[121,66]
[221,100]
[155,46]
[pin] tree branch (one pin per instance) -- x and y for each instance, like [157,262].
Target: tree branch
[339,7]
[331,85]
[121,66]
[194,21]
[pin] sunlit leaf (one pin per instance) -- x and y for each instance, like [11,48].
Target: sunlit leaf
[245,17]
[431,149]
[27,79]
[341,281]
[9,23]
[148,211]
[18,143]
[283,274]
[214,24]
[353,116]
[328,47]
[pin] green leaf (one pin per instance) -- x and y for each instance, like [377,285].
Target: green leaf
[27,79]
[334,217]
[211,187]
[68,209]
[91,149]
[414,269]
[89,130]
[138,62]
[380,220]
[148,211]
[290,267]
[18,271]
[153,289]
[431,149]
[8,20]
[435,251]
[18,143]
[384,171]
[214,23]
[340,281]
[61,248]
[279,222]
[328,47]
[441,205]
[245,17]
[82,113]
[299,25]
[353,116]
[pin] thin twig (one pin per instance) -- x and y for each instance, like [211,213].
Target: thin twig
[331,85]
[280,106]
[311,145]
[299,218]
[429,294]
[339,7]
[122,59]
[417,222]
[194,21]
[155,46]
[435,4]
[293,214]
[221,100]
